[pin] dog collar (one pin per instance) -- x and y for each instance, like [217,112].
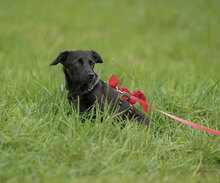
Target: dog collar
[93,85]
[90,88]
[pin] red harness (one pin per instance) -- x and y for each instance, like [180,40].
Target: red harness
[138,96]
[114,81]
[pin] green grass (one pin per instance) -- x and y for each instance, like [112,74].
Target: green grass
[167,49]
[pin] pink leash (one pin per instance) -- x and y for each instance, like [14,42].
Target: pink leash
[177,118]
[114,81]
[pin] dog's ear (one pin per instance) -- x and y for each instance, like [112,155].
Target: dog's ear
[61,58]
[97,58]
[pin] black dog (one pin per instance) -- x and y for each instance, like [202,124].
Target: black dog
[83,82]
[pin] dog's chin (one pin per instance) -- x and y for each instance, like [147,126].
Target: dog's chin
[90,80]
[85,81]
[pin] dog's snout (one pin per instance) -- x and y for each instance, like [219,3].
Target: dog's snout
[91,75]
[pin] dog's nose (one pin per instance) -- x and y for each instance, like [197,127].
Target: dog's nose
[91,75]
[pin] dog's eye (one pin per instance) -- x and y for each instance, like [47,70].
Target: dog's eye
[91,63]
[79,63]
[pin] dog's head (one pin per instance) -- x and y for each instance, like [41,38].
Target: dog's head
[78,65]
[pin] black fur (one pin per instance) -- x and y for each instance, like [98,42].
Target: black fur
[78,69]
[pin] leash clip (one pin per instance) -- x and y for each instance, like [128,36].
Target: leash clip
[119,91]
[123,93]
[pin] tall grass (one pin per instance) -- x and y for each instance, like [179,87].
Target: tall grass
[167,49]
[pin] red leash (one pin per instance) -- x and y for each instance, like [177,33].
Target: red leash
[138,96]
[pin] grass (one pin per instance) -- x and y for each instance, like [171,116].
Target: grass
[167,49]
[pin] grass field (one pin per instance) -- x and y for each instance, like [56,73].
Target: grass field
[167,49]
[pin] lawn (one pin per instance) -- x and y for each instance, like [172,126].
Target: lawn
[167,49]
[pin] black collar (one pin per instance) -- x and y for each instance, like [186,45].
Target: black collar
[91,86]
